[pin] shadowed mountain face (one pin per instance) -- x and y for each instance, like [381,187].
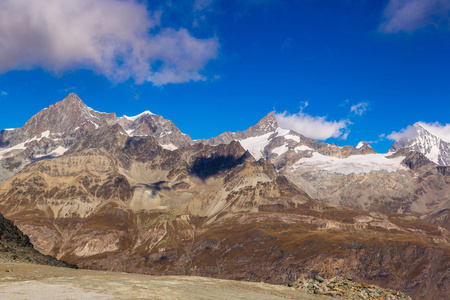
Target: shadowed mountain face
[15,246]
[116,202]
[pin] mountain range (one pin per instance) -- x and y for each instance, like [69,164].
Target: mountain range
[266,204]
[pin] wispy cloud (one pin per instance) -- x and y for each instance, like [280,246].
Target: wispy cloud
[359,108]
[119,39]
[411,15]
[3,93]
[202,4]
[317,128]
[406,133]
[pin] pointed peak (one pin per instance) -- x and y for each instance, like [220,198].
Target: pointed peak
[268,123]
[70,100]
[72,97]
[362,144]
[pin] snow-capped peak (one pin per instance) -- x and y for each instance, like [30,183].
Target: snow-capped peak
[362,144]
[421,139]
[147,112]
[441,131]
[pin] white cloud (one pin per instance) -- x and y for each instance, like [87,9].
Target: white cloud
[3,93]
[360,108]
[442,131]
[111,37]
[344,136]
[202,4]
[406,133]
[317,128]
[411,15]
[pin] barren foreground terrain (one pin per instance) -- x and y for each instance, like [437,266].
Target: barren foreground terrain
[30,281]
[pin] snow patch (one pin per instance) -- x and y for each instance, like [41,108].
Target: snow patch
[360,145]
[302,148]
[170,146]
[147,112]
[280,150]
[99,112]
[255,145]
[20,146]
[57,152]
[45,134]
[292,137]
[165,133]
[281,131]
[355,164]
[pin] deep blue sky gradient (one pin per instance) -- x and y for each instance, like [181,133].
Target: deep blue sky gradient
[274,55]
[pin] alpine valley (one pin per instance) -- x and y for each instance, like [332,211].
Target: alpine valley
[135,194]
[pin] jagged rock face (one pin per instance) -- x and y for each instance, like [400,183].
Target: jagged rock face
[55,129]
[266,125]
[423,141]
[123,203]
[15,246]
[168,135]
[267,140]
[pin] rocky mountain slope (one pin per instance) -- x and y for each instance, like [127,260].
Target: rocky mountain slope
[404,181]
[16,247]
[115,202]
[53,130]
[423,141]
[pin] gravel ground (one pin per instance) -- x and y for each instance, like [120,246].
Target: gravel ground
[29,281]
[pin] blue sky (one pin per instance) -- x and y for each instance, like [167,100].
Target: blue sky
[340,71]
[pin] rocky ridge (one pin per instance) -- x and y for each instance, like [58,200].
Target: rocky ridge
[267,140]
[423,141]
[55,129]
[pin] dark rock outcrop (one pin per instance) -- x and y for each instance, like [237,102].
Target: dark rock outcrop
[16,246]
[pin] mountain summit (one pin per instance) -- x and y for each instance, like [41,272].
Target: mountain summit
[56,128]
[427,143]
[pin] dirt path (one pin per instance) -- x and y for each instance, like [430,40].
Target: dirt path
[28,281]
